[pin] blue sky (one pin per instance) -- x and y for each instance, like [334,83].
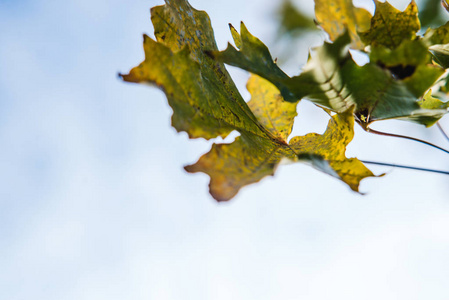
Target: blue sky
[94,202]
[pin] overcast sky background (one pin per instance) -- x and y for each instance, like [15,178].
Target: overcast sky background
[95,204]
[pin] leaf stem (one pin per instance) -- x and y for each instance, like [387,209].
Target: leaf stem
[442,131]
[404,167]
[406,137]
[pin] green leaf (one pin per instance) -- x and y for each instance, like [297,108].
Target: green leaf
[255,57]
[338,83]
[293,21]
[247,160]
[424,77]
[411,63]
[378,95]
[390,26]
[207,104]
[429,13]
[321,78]
[338,16]
[331,79]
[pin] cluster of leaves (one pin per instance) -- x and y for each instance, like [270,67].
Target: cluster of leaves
[404,79]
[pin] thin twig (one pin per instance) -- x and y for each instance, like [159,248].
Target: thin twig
[406,137]
[442,131]
[404,167]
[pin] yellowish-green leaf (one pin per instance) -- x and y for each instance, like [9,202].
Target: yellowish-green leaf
[201,104]
[409,52]
[410,62]
[203,96]
[389,26]
[424,77]
[338,16]
[177,24]
[236,36]
[430,102]
[438,35]
[434,107]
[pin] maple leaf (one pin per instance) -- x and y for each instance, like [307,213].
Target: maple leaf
[206,104]
[338,16]
[390,26]
[248,160]
[203,96]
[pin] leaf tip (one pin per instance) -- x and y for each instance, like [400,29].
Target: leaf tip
[127,77]
[189,169]
[243,27]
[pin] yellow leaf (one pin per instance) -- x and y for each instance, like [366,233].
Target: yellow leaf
[270,109]
[338,16]
[249,159]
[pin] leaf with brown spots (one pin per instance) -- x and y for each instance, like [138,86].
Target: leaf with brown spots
[390,26]
[249,159]
[203,96]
